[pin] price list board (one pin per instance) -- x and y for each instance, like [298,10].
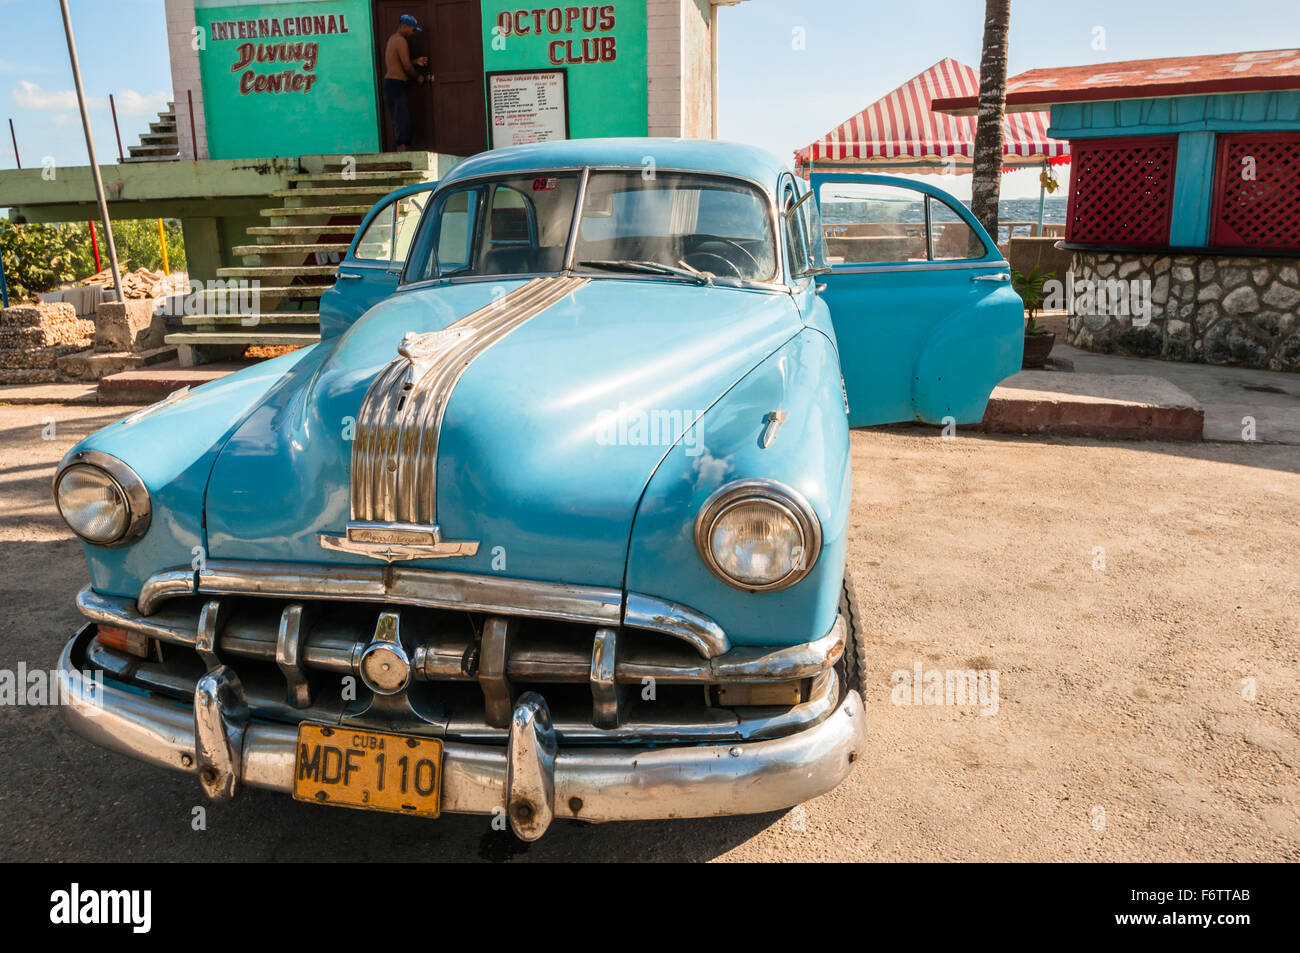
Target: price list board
[528,106]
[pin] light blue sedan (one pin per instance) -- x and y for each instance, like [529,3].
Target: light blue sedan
[553,520]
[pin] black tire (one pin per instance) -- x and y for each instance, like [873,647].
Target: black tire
[850,666]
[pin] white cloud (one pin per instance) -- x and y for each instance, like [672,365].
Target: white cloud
[131,103]
[28,95]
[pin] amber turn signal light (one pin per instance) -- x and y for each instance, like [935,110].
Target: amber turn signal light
[123,640]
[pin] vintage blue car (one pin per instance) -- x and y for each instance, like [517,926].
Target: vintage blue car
[552,522]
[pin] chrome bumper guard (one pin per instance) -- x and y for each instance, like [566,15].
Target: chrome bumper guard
[532,779]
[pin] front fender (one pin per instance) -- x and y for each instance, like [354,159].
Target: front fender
[173,448]
[810,454]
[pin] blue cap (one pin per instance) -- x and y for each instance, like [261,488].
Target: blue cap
[407,20]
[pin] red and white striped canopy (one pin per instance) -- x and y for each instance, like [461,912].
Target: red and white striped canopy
[901,133]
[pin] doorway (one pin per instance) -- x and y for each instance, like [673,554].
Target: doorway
[449,114]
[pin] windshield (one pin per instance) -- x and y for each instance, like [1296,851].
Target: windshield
[712,225]
[687,225]
[517,225]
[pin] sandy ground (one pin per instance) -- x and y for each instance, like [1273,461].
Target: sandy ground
[1122,593]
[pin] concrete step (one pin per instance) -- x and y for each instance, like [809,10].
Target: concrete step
[163,127]
[272,319]
[159,138]
[298,198]
[277,271]
[247,336]
[174,157]
[147,385]
[316,210]
[395,176]
[151,151]
[372,164]
[268,234]
[93,365]
[1109,406]
[260,251]
[267,291]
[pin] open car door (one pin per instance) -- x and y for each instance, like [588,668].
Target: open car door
[370,270]
[920,297]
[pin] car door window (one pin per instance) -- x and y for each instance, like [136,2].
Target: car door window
[951,239]
[387,238]
[803,235]
[376,242]
[456,231]
[408,211]
[871,223]
[867,223]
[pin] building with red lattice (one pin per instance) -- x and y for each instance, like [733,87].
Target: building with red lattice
[1185,188]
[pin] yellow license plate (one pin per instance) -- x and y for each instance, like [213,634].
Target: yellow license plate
[370,770]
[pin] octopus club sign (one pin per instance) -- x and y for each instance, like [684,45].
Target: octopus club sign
[298,55]
[563,22]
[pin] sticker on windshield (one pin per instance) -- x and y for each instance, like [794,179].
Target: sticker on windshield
[544,185]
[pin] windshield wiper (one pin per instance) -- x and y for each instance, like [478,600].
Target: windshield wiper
[651,268]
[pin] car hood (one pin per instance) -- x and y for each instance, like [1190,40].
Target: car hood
[548,440]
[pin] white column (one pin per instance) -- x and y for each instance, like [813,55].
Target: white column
[186,78]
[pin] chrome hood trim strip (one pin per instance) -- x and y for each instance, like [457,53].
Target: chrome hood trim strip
[395,454]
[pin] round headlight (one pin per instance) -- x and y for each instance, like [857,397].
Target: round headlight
[758,535]
[101,499]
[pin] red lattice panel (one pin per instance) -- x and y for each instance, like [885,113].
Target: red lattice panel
[1122,190]
[1257,191]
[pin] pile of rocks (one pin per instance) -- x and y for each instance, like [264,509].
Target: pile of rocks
[34,336]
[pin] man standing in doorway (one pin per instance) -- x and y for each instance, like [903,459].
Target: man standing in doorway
[399,69]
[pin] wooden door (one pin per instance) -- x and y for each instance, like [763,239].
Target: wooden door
[449,115]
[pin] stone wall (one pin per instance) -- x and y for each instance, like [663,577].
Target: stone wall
[1241,310]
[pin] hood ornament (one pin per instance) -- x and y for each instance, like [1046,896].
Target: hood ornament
[423,350]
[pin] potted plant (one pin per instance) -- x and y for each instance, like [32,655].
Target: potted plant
[1038,340]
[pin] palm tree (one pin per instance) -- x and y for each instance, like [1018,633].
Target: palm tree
[986,178]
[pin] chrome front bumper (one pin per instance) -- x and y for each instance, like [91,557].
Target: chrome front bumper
[530,778]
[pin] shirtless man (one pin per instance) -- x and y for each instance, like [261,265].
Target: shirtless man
[399,69]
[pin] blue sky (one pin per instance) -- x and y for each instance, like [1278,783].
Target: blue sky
[858,50]
[123,49]
[770,94]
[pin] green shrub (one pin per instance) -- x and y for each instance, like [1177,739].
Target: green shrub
[40,257]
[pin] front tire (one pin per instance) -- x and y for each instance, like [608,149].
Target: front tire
[850,666]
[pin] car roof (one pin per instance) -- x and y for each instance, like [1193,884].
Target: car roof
[690,155]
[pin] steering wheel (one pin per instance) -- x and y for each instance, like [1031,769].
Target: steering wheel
[730,269]
[729,242]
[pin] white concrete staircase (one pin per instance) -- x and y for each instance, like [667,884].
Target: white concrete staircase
[295,258]
[160,143]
